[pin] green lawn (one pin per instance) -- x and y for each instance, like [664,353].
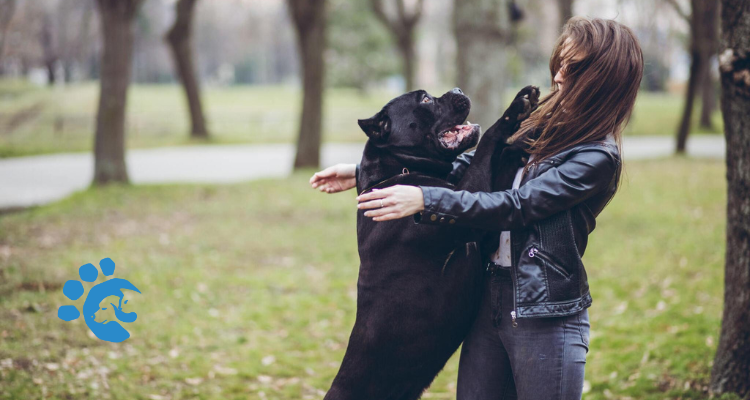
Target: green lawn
[249,290]
[42,120]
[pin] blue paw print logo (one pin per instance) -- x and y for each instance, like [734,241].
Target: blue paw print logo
[110,331]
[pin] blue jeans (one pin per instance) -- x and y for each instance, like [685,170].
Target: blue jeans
[541,358]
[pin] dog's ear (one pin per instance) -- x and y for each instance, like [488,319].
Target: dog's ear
[378,127]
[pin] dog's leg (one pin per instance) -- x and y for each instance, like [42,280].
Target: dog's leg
[478,176]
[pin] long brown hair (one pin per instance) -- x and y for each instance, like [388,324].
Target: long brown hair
[604,67]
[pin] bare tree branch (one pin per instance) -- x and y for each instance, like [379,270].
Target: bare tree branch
[401,8]
[402,27]
[417,14]
[379,10]
[678,9]
[403,21]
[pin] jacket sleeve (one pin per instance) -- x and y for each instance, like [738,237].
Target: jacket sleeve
[459,166]
[581,176]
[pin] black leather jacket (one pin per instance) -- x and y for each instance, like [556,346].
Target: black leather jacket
[549,218]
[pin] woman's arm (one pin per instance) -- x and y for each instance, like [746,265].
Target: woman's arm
[337,178]
[583,175]
[342,177]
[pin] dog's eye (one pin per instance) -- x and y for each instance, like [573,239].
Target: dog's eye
[413,125]
[426,100]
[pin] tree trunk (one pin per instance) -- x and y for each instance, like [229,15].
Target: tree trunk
[180,42]
[7,9]
[309,23]
[117,18]
[703,29]
[708,96]
[408,57]
[482,29]
[565,10]
[731,369]
[696,66]
[50,67]
[709,45]
[48,49]
[402,27]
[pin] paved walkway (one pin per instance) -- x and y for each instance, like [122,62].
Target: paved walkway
[34,180]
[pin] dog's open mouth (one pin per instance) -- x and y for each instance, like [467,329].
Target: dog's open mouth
[455,137]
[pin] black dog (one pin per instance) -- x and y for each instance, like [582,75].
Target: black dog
[419,285]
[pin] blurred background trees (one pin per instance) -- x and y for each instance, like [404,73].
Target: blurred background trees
[361,54]
[484,45]
[180,42]
[7,9]
[253,42]
[117,17]
[309,18]
[564,10]
[703,22]
[377,47]
[402,24]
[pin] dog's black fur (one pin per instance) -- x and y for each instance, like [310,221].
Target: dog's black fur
[420,285]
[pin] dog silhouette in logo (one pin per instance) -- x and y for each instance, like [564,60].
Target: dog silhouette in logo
[110,331]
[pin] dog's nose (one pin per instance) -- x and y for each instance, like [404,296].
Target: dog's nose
[456,91]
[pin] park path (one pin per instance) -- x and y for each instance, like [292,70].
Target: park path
[35,180]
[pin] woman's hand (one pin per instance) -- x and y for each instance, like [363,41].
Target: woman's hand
[337,178]
[392,203]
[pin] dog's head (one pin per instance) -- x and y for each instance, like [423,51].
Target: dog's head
[418,126]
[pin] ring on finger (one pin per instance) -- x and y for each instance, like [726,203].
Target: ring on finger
[381,203]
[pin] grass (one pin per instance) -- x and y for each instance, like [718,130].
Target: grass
[62,119]
[36,120]
[249,290]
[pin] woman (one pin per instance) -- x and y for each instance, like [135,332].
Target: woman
[531,338]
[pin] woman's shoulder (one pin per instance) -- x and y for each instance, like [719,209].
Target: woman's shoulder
[607,145]
[610,144]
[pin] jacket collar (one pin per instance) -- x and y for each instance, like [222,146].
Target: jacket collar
[608,141]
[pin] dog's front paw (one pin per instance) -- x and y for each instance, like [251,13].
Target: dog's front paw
[523,105]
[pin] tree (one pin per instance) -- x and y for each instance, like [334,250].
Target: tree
[731,369]
[179,39]
[117,18]
[483,37]
[72,20]
[7,9]
[702,22]
[708,83]
[63,34]
[360,48]
[402,26]
[309,22]
[48,49]
[565,10]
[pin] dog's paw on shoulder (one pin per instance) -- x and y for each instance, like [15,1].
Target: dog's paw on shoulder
[525,102]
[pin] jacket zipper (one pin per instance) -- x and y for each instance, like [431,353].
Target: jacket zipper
[534,252]
[513,279]
[513,313]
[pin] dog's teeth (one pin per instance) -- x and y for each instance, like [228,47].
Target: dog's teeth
[467,122]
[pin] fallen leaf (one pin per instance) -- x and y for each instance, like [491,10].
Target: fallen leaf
[268,360]
[193,381]
[224,370]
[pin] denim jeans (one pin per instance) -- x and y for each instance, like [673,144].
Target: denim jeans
[540,359]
